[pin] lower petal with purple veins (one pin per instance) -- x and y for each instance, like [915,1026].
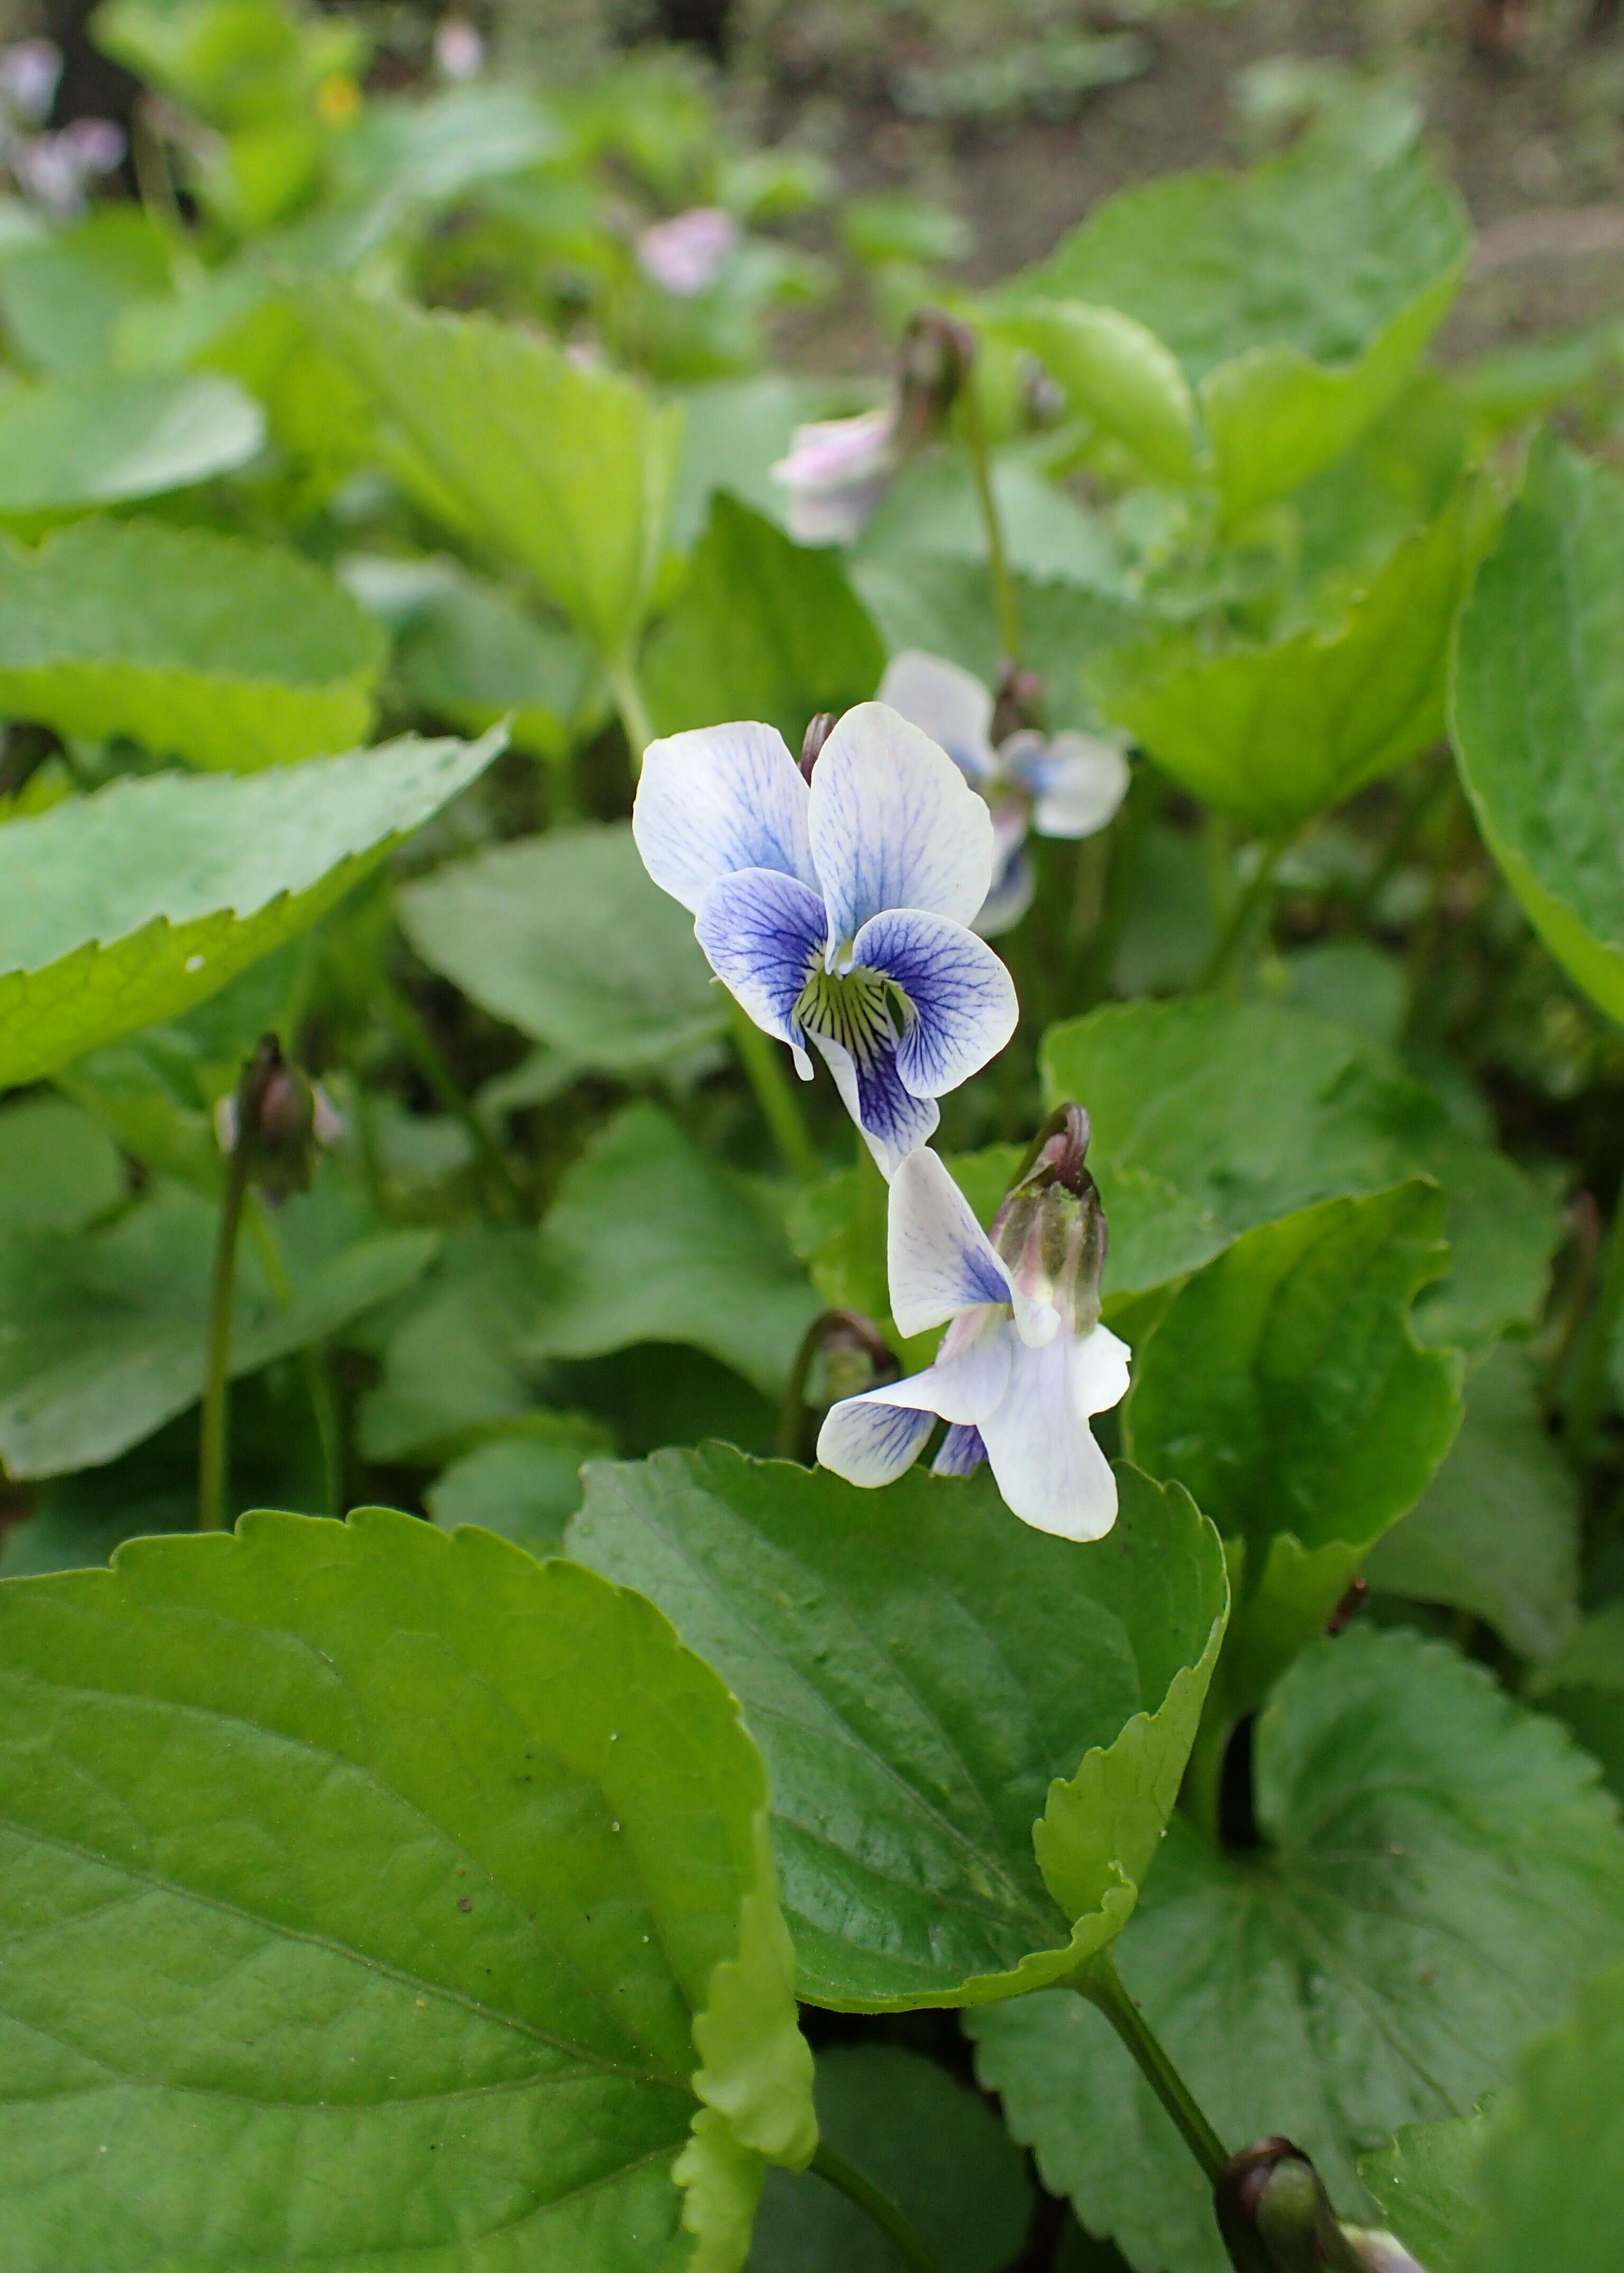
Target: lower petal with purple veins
[761,931]
[961,1453]
[959,1005]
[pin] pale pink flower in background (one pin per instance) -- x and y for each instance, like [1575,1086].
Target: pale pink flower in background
[459,51]
[836,471]
[685,254]
[55,169]
[30,71]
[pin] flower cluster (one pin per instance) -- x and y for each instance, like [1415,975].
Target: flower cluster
[51,170]
[834,900]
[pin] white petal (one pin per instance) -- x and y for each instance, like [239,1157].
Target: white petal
[718,799]
[1013,891]
[945,701]
[937,1257]
[1099,1371]
[894,1122]
[1050,1471]
[961,1001]
[894,824]
[761,932]
[1077,781]
[870,1442]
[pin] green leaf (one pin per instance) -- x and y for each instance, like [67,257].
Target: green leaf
[1210,1117]
[1283,1389]
[454,1370]
[70,446]
[924,1673]
[471,656]
[1424,2185]
[1584,1687]
[1116,372]
[763,628]
[928,2142]
[130,907]
[61,299]
[228,654]
[565,937]
[102,1333]
[1538,711]
[1538,2181]
[58,1167]
[651,1241]
[734,431]
[235,2051]
[568,472]
[523,1487]
[1496,1532]
[1296,297]
[933,509]
[1276,734]
[1438,1869]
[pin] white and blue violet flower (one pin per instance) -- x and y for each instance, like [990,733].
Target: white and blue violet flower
[837,913]
[1025,1362]
[1066,785]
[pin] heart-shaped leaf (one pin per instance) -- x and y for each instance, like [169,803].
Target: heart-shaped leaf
[226,653]
[1283,1387]
[975,1732]
[1538,711]
[298,1970]
[1209,1117]
[568,471]
[131,905]
[1438,1869]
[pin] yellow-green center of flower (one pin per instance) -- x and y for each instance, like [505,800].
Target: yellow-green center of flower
[852,1008]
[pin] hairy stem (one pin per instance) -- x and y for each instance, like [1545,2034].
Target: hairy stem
[849,2179]
[1102,1984]
[211,1447]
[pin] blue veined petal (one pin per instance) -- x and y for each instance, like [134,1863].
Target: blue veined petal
[960,999]
[938,1259]
[716,800]
[1077,781]
[894,824]
[1048,1468]
[1013,889]
[868,1439]
[761,931]
[945,701]
[894,1122]
[960,1452]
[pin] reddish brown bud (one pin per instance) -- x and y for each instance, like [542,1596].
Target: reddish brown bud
[819,728]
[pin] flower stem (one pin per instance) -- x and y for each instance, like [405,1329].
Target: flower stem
[1241,917]
[1589,1389]
[1102,1984]
[312,1358]
[997,558]
[908,2244]
[873,1201]
[211,1446]
[764,1070]
[629,700]
[425,1053]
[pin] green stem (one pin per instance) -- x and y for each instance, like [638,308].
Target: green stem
[211,1447]
[998,559]
[421,1048]
[1204,1774]
[764,1070]
[312,1358]
[1589,1389]
[1241,916]
[873,1201]
[849,2179]
[1102,1984]
[1407,828]
[629,700]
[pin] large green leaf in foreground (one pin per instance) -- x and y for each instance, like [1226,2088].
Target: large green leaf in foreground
[1277,732]
[131,905]
[1438,1870]
[1283,1389]
[73,445]
[975,1732]
[568,471]
[1538,711]
[1296,296]
[1210,1117]
[103,1332]
[228,654]
[566,937]
[1536,2186]
[294,1971]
